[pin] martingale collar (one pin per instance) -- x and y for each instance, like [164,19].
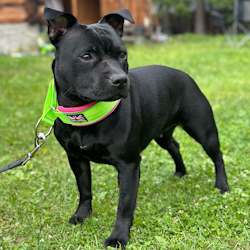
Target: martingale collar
[86,115]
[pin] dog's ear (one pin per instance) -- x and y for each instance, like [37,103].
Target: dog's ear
[58,23]
[116,20]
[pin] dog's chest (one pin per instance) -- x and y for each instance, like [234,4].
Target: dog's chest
[91,147]
[97,153]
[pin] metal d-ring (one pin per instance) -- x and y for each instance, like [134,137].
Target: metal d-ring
[41,136]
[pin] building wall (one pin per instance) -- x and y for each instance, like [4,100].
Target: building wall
[18,37]
[86,12]
[21,20]
[16,11]
[140,9]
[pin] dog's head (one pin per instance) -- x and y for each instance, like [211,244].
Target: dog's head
[90,60]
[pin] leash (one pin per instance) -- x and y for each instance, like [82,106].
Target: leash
[86,115]
[40,138]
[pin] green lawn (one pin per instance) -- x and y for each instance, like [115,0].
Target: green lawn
[37,200]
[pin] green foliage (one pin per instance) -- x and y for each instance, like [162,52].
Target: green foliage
[222,4]
[171,213]
[226,7]
[179,7]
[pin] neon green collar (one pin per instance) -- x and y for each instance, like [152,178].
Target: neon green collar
[77,116]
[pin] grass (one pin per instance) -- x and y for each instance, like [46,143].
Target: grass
[171,213]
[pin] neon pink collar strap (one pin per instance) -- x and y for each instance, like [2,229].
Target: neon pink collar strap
[86,115]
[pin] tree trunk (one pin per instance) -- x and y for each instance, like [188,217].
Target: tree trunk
[199,26]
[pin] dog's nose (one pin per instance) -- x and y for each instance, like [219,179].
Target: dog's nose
[119,80]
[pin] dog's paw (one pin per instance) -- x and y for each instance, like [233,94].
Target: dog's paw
[223,188]
[179,174]
[222,185]
[81,214]
[78,219]
[74,220]
[117,242]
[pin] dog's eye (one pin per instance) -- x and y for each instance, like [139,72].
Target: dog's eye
[123,55]
[86,57]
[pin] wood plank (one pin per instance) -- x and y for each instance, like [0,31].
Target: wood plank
[14,2]
[74,8]
[150,6]
[14,14]
[140,9]
[102,7]
[40,14]
[141,12]
[88,11]
[108,6]
[132,6]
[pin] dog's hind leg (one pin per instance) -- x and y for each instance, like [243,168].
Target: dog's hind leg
[202,128]
[166,141]
[81,169]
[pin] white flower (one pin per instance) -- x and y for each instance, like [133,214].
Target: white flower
[175,220]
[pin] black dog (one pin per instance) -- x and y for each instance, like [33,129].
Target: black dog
[91,66]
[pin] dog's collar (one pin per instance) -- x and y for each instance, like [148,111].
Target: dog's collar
[77,116]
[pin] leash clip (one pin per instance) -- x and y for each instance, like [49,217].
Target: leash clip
[40,138]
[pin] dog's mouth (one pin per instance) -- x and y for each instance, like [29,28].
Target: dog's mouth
[75,97]
[97,95]
[117,97]
[104,99]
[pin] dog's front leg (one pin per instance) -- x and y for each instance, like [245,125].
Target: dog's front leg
[128,180]
[81,168]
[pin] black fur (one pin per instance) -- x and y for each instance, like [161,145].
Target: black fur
[91,65]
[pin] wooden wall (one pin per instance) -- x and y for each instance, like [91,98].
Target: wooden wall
[16,11]
[92,11]
[86,11]
[140,9]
